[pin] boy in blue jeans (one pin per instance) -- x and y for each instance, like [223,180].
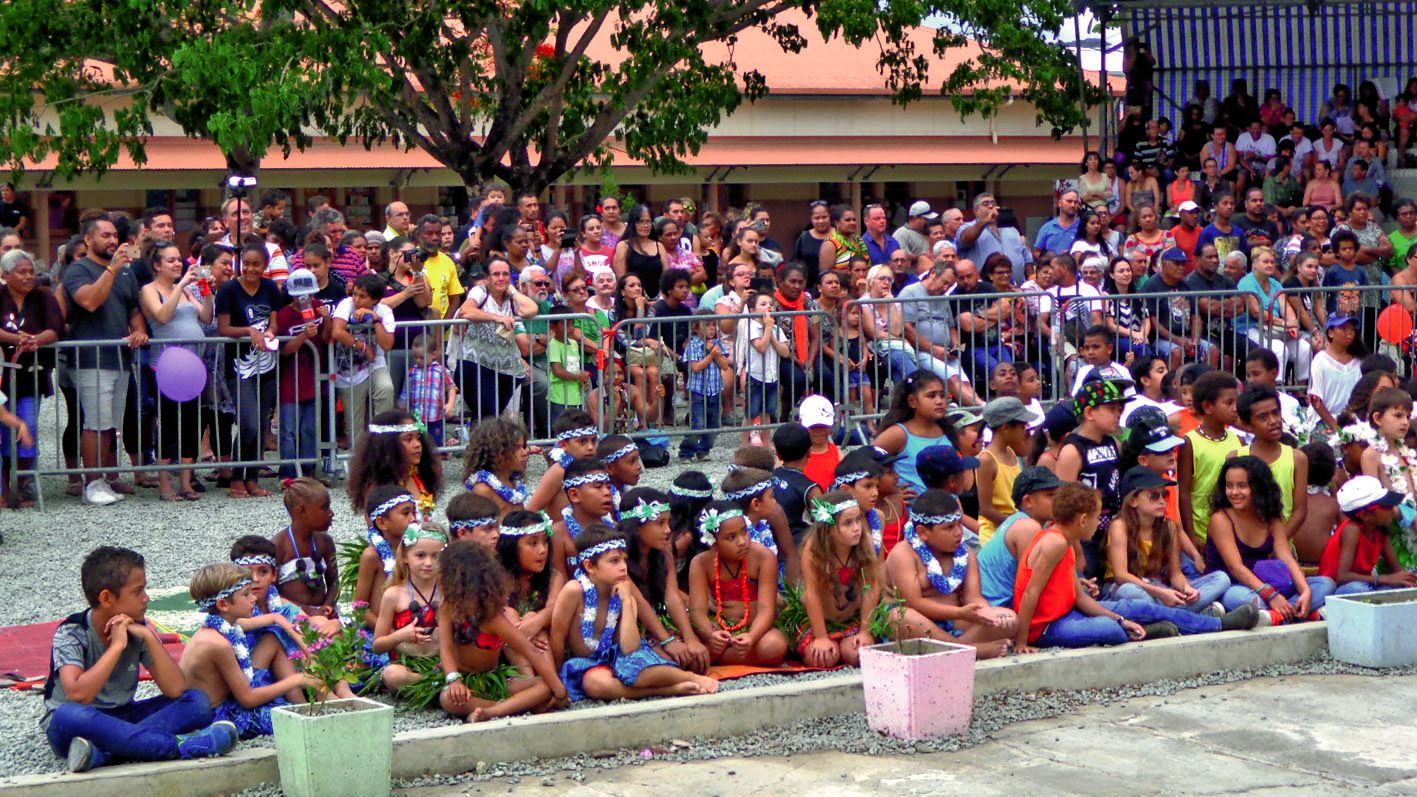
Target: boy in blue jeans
[705,360]
[90,715]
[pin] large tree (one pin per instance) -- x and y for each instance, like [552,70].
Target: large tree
[521,90]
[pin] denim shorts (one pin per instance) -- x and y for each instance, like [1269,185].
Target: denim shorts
[762,399]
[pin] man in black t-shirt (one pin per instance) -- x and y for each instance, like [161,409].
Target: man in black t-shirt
[1255,229]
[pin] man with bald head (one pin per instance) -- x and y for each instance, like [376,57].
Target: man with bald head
[398,219]
[978,322]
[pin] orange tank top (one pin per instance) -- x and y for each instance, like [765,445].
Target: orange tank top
[1058,594]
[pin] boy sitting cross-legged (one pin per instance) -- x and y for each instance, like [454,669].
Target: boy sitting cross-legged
[90,715]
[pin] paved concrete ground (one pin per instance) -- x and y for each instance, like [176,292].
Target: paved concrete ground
[1310,735]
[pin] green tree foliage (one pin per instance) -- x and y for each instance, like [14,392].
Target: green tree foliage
[520,90]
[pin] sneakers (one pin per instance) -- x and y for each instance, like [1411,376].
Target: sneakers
[81,754]
[1215,610]
[755,439]
[1318,614]
[1161,630]
[1269,617]
[1241,618]
[98,493]
[216,739]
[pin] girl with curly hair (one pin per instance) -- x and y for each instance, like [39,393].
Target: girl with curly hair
[1247,540]
[474,624]
[392,452]
[495,463]
[842,581]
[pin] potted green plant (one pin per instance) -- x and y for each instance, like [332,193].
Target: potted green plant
[915,688]
[340,747]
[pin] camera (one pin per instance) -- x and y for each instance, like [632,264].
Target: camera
[568,240]
[238,184]
[415,256]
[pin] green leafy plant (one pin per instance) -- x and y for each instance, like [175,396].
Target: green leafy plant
[888,616]
[791,612]
[334,660]
[347,559]
[490,685]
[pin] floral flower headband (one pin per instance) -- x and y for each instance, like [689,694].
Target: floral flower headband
[711,520]
[541,526]
[399,428]
[1356,433]
[208,603]
[687,492]
[645,511]
[416,532]
[387,506]
[824,511]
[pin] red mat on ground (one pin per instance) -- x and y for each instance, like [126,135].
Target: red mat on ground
[727,672]
[24,652]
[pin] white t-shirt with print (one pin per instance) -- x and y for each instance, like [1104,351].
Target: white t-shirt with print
[352,368]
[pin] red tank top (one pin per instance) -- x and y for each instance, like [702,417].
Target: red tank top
[1058,594]
[821,468]
[1366,557]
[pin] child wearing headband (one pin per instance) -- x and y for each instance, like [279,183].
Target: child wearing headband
[391,512]
[261,678]
[938,578]
[727,603]
[588,491]
[473,517]
[688,495]
[524,549]
[257,556]
[576,436]
[495,463]
[473,629]
[396,450]
[307,575]
[842,583]
[860,478]
[595,630]
[644,520]
[622,461]
[408,620]
[751,490]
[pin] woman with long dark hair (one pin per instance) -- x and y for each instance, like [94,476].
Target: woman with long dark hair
[638,252]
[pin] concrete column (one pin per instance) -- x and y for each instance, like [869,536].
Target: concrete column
[856,196]
[39,201]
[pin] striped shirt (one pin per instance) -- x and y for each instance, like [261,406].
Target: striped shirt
[708,382]
[424,391]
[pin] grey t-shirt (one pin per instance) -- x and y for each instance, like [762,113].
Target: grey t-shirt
[79,643]
[932,319]
[108,322]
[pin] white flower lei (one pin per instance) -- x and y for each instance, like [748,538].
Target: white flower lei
[237,638]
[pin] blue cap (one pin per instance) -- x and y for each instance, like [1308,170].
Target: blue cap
[1175,255]
[936,463]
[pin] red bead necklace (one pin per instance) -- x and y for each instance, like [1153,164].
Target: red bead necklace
[718,593]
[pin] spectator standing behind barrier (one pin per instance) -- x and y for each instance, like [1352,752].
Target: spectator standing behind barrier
[244,307]
[103,299]
[30,318]
[803,332]
[489,362]
[439,270]
[533,339]
[980,322]
[406,293]
[985,235]
[363,332]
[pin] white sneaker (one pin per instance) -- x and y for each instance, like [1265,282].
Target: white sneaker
[755,439]
[98,493]
[1213,610]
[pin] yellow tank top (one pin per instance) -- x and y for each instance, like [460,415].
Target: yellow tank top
[1283,470]
[1003,497]
[1207,458]
[1145,546]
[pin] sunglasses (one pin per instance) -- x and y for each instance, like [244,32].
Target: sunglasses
[541,283]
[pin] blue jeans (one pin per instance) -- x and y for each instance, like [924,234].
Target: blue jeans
[144,730]
[1210,586]
[1358,588]
[985,358]
[27,408]
[1125,345]
[705,412]
[298,428]
[1078,630]
[1320,587]
[762,400]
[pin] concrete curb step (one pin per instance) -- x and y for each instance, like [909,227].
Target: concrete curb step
[458,749]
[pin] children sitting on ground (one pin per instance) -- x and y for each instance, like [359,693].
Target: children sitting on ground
[587,488]
[622,461]
[1248,542]
[966,434]
[429,393]
[1186,419]
[1090,456]
[704,362]
[890,497]
[733,592]
[998,559]
[595,630]
[408,621]
[524,549]
[644,520]
[752,490]
[495,463]
[1144,552]
[257,556]
[842,580]
[243,682]
[305,551]
[393,453]
[915,420]
[1000,462]
[1323,513]
[792,487]
[1258,408]
[858,477]
[90,715]
[1097,362]
[1362,546]
[473,629]
[1150,444]
[576,437]
[1054,610]
[819,416]
[391,512]
[938,578]
[1207,448]
[942,468]
[1058,423]
[474,517]
[1394,463]
[1262,368]
[688,495]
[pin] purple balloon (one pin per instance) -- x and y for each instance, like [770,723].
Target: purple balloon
[180,373]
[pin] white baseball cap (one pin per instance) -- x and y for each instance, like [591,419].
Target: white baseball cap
[922,209]
[1186,206]
[1361,492]
[816,411]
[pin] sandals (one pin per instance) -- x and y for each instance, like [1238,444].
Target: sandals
[190,495]
[169,497]
[237,492]
[257,492]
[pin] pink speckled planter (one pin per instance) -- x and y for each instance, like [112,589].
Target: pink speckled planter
[918,696]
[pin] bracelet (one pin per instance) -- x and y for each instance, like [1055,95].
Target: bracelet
[669,639]
[1267,593]
[452,677]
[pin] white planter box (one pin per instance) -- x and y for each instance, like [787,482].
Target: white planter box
[927,691]
[1374,629]
[344,751]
